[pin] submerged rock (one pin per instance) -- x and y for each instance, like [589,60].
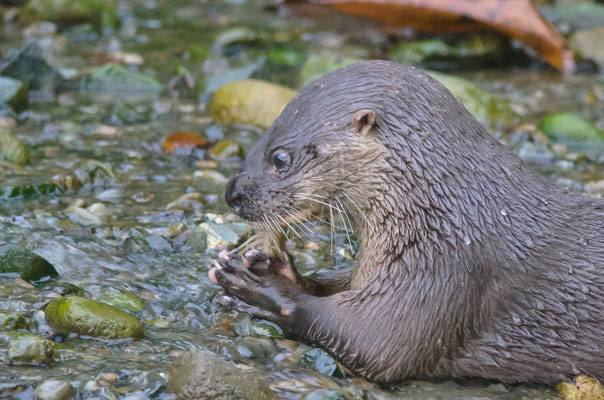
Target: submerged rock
[11,148]
[324,394]
[72,12]
[12,320]
[250,102]
[199,375]
[89,317]
[117,78]
[13,93]
[566,127]
[30,266]
[484,106]
[30,350]
[54,389]
[29,66]
[212,235]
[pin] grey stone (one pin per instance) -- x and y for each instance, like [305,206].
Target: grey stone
[54,389]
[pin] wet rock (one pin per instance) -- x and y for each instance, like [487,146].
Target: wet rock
[588,44]
[200,375]
[97,173]
[214,235]
[485,107]
[318,360]
[159,243]
[267,328]
[117,78]
[54,389]
[317,66]
[566,127]
[226,149]
[214,176]
[13,93]
[30,266]
[88,317]
[323,394]
[188,202]
[258,349]
[83,216]
[435,53]
[11,148]
[30,350]
[215,80]
[12,320]
[250,102]
[126,299]
[30,191]
[583,388]
[101,13]
[579,16]
[29,66]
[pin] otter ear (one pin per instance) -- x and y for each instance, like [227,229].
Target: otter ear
[363,121]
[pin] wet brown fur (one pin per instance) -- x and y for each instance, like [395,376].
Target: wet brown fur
[470,264]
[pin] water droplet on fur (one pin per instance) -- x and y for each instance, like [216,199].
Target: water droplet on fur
[504,212]
[516,319]
[583,241]
[467,240]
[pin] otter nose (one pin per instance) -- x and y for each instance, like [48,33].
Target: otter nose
[234,194]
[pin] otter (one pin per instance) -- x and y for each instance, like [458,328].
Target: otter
[469,264]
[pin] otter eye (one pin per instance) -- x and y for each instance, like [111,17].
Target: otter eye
[280,159]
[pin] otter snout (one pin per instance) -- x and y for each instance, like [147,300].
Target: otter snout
[238,195]
[234,194]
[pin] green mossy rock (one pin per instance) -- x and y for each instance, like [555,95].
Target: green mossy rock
[117,78]
[30,266]
[250,102]
[12,320]
[127,300]
[101,13]
[13,93]
[435,53]
[317,66]
[566,127]
[89,317]
[485,107]
[30,191]
[11,148]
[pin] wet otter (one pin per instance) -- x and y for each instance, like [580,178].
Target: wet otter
[470,264]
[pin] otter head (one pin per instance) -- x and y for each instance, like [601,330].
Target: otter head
[323,153]
[303,164]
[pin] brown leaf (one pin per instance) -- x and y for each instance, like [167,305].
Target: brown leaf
[515,18]
[179,140]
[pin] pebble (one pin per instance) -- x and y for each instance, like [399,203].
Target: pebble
[54,389]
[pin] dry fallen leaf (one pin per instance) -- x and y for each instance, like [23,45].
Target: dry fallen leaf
[515,18]
[179,140]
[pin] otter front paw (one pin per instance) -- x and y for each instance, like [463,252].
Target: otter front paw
[252,288]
